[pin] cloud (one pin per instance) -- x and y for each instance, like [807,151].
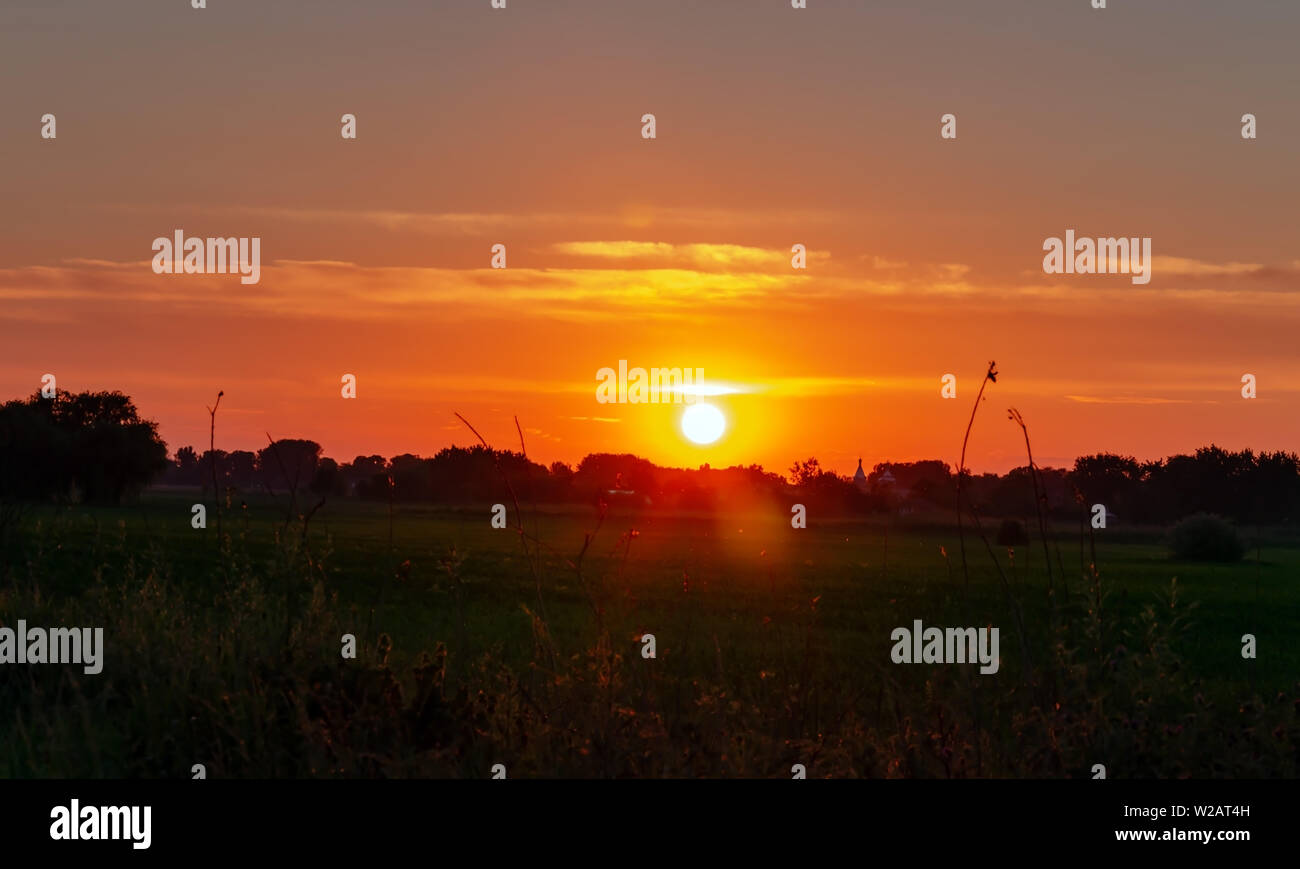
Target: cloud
[338,290]
[600,282]
[1176,265]
[699,256]
[1131,399]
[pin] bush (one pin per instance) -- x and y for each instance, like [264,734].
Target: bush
[1206,537]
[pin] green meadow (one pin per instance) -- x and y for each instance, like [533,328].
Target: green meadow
[478,646]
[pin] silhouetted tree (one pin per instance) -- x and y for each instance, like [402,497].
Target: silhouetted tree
[803,473]
[187,467]
[327,480]
[93,443]
[288,464]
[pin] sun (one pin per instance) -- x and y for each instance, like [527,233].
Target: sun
[703,423]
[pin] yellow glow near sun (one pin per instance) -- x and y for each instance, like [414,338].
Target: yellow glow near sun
[703,423]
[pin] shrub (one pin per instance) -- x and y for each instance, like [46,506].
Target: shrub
[1206,537]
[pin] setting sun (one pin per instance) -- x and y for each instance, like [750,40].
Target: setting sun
[703,423]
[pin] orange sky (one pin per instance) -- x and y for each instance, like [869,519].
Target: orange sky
[775,127]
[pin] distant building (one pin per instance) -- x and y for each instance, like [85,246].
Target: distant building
[860,478]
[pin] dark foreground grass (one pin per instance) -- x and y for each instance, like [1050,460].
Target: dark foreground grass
[476,647]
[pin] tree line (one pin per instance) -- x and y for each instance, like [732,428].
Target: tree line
[96,447]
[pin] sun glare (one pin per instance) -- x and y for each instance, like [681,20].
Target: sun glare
[703,423]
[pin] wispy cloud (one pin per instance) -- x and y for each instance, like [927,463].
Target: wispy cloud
[705,256]
[1183,266]
[1135,399]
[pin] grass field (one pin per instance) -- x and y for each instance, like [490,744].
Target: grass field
[772,647]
